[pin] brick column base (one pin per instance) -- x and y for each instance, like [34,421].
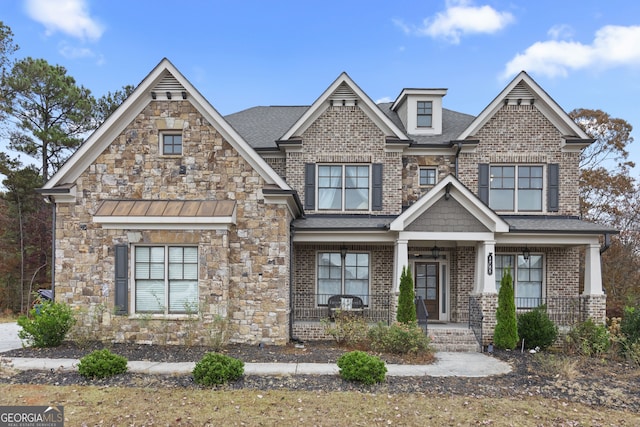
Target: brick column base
[595,307]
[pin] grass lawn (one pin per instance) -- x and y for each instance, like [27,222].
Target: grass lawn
[84,405]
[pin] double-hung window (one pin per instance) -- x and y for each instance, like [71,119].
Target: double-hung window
[516,188]
[425,114]
[166,279]
[343,187]
[343,275]
[527,277]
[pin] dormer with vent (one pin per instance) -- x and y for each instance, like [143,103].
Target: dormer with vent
[420,110]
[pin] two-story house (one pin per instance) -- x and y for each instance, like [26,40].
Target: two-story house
[170,210]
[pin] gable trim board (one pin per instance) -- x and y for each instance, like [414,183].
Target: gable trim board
[116,123]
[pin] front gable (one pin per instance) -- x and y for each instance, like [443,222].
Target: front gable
[164,83]
[449,208]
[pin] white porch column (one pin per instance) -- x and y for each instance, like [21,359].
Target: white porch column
[400,260]
[485,267]
[592,271]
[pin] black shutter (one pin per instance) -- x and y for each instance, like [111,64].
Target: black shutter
[376,187]
[553,191]
[483,183]
[122,279]
[310,186]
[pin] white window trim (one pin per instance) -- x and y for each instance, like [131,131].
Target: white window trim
[317,267]
[165,315]
[343,188]
[545,187]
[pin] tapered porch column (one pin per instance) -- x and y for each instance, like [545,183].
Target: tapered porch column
[400,260]
[592,271]
[485,265]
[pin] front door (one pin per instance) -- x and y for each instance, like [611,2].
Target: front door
[426,282]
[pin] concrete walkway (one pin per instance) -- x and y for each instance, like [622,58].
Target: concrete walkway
[447,363]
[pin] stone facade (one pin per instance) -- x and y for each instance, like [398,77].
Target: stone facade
[243,272]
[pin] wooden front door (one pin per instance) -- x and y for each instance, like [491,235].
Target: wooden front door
[426,282]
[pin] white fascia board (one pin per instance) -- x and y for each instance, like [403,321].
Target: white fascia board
[447,236]
[445,150]
[165,223]
[321,104]
[58,197]
[346,237]
[547,239]
[282,199]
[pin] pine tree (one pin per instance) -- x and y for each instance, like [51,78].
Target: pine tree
[506,333]
[406,299]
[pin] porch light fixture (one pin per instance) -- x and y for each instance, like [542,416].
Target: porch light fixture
[343,252]
[526,253]
[435,252]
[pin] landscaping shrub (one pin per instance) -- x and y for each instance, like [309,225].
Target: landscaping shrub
[47,325]
[536,329]
[399,338]
[505,334]
[589,339]
[625,334]
[102,364]
[406,299]
[362,367]
[216,368]
[630,324]
[348,328]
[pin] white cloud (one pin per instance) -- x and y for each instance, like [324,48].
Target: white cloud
[68,16]
[76,52]
[562,31]
[383,99]
[612,46]
[460,18]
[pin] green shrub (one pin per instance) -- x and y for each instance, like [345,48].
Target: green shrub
[348,328]
[399,338]
[216,368]
[406,299]
[47,325]
[589,339]
[362,367]
[536,329]
[102,364]
[630,324]
[505,334]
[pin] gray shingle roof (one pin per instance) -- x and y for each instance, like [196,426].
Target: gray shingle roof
[262,126]
[556,225]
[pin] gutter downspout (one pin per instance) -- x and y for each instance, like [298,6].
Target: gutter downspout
[53,248]
[607,243]
[459,144]
[291,252]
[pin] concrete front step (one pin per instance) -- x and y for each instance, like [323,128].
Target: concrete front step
[453,339]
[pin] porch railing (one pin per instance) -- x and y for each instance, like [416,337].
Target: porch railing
[563,311]
[311,307]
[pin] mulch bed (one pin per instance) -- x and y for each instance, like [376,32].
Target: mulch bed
[610,383]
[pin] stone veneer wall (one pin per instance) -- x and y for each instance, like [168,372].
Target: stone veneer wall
[521,134]
[243,272]
[345,134]
[411,164]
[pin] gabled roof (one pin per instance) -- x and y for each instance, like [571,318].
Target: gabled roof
[164,76]
[450,187]
[343,84]
[523,86]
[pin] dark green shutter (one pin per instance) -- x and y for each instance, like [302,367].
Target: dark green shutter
[376,187]
[310,186]
[483,183]
[553,188]
[122,279]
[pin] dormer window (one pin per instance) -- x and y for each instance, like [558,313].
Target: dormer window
[425,114]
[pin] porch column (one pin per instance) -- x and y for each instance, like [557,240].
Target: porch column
[401,259]
[485,268]
[592,271]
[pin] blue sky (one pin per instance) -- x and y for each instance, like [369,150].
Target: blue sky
[239,54]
